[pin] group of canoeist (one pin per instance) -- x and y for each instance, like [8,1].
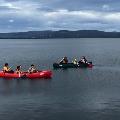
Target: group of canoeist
[33,69]
[18,70]
[82,60]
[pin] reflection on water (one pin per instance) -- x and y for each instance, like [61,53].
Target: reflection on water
[86,94]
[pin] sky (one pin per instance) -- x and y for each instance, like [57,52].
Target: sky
[37,15]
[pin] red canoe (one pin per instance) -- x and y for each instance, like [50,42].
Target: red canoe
[40,74]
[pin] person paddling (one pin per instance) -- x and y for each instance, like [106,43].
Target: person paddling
[7,69]
[83,60]
[32,69]
[18,69]
[75,61]
[64,60]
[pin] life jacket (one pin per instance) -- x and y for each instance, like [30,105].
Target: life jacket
[75,62]
[6,69]
[32,69]
[18,71]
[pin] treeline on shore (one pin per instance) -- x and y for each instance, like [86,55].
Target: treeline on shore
[59,34]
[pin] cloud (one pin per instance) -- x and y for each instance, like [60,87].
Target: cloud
[26,15]
[106,7]
[11,21]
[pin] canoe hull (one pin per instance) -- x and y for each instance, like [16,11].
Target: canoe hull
[10,75]
[71,65]
[40,74]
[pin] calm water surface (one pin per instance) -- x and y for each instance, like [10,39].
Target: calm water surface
[72,94]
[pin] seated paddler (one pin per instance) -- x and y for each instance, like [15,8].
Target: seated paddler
[83,60]
[18,69]
[64,60]
[32,69]
[75,61]
[7,69]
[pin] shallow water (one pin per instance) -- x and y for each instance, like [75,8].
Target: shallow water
[86,94]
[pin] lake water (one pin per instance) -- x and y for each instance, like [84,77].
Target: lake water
[72,94]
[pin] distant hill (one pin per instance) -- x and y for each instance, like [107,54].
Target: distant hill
[60,34]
